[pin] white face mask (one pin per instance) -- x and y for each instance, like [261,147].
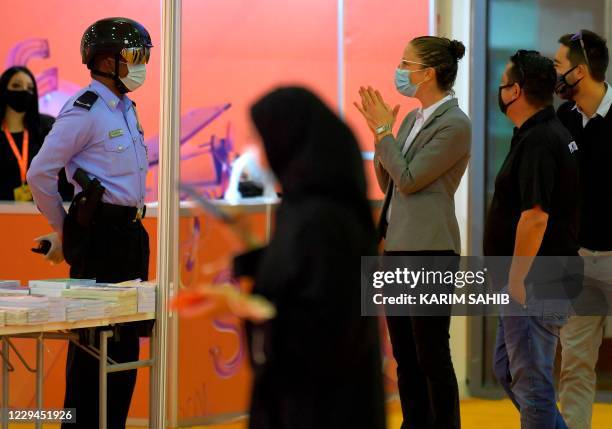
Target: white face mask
[135,77]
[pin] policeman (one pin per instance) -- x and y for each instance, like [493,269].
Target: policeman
[98,132]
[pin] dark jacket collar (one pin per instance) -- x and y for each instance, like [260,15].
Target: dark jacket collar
[540,117]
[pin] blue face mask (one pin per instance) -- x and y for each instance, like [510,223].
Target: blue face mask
[404,84]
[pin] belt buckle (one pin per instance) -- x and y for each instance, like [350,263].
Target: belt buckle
[139,213]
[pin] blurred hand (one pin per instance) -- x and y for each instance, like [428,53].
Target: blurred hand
[55,254]
[374,109]
[223,300]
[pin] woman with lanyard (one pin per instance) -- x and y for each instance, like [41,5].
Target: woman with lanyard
[22,134]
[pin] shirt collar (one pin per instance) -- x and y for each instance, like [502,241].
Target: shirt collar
[426,113]
[111,100]
[604,106]
[543,115]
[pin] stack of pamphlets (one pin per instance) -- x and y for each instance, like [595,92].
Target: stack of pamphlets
[28,310]
[84,309]
[60,300]
[54,287]
[146,294]
[9,284]
[12,287]
[123,301]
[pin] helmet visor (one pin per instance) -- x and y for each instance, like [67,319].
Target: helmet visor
[139,55]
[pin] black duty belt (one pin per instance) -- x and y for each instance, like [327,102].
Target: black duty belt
[115,213]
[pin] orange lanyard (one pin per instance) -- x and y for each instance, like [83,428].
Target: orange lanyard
[22,159]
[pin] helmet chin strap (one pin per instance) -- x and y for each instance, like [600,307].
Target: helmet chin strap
[114,76]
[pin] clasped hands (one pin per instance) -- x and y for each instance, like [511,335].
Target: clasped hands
[376,112]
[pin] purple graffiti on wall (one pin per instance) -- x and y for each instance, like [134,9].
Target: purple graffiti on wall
[24,51]
[231,366]
[192,246]
[52,91]
[218,152]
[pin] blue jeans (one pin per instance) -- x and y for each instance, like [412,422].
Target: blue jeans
[524,360]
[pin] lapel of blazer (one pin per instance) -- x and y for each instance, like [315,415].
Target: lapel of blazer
[403,132]
[402,135]
[417,144]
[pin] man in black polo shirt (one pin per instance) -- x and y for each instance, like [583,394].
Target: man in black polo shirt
[581,62]
[533,213]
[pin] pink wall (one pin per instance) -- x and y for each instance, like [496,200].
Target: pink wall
[233,51]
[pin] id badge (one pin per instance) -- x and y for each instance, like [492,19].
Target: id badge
[23,193]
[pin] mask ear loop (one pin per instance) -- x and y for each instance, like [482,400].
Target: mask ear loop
[563,81]
[423,69]
[120,86]
[114,76]
[520,91]
[429,67]
[506,106]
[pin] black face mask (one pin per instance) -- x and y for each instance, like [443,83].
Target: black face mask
[564,89]
[19,101]
[502,106]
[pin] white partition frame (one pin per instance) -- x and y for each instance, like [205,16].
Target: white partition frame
[163,398]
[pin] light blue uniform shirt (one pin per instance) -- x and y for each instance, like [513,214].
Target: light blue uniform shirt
[105,141]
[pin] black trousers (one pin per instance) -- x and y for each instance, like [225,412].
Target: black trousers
[426,379]
[110,250]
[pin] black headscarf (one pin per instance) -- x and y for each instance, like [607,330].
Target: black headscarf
[32,116]
[311,151]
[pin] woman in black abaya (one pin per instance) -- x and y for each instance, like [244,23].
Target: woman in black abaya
[316,364]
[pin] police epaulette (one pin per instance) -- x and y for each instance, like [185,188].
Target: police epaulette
[86,100]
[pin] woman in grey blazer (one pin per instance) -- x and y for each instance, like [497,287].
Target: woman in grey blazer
[419,170]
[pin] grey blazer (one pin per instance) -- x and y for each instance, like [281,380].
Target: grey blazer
[421,185]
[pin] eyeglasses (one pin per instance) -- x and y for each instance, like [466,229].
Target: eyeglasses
[403,61]
[138,55]
[578,36]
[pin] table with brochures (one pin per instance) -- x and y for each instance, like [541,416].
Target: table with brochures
[15,300]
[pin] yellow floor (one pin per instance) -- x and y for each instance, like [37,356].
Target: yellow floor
[475,414]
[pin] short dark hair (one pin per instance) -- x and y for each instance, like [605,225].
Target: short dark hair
[535,74]
[442,54]
[596,50]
